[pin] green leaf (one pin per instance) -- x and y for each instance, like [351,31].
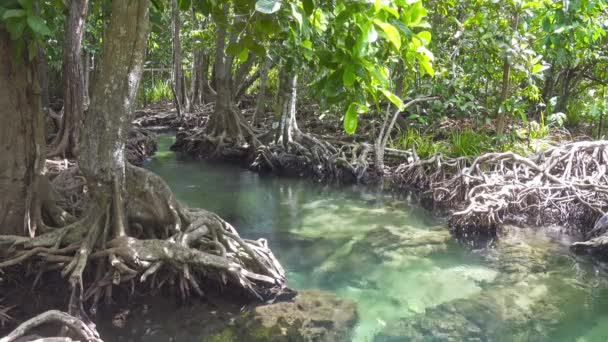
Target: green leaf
[427,66]
[425,52]
[350,119]
[391,33]
[393,98]
[538,68]
[13,13]
[38,25]
[349,75]
[309,6]
[243,55]
[267,6]
[425,36]
[15,28]
[26,4]
[184,5]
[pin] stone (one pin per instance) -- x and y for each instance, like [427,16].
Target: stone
[312,316]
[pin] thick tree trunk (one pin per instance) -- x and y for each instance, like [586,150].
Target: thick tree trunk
[225,120]
[288,126]
[21,139]
[178,71]
[108,119]
[68,137]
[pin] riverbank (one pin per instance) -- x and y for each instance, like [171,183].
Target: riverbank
[397,261]
[559,184]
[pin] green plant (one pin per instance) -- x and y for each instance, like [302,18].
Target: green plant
[425,145]
[470,143]
[159,91]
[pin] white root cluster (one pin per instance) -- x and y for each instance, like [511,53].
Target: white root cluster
[565,184]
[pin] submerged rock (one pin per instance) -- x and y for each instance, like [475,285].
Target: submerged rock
[525,302]
[383,244]
[312,316]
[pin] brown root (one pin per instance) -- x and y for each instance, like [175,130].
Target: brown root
[81,331]
[162,239]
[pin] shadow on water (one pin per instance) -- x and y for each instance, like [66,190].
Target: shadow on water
[410,279]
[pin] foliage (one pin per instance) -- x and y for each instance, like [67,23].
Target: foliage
[26,28]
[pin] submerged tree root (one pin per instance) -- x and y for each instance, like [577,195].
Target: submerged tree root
[563,185]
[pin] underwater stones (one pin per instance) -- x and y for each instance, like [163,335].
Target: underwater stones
[311,316]
[523,256]
[384,244]
[488,316]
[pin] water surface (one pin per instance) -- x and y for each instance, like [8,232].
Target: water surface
[397,261]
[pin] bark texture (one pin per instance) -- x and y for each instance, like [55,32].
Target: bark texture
[109,116]
[21,139]
[178,71]
[67,139]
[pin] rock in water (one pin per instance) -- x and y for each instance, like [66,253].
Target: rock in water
[312,316]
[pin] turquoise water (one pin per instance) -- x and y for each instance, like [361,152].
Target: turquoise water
[410,279]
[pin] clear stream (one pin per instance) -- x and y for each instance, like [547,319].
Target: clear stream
[398,262]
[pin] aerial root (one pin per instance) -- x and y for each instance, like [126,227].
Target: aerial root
[200,144]
[324,160]
[81,331]
[563,185]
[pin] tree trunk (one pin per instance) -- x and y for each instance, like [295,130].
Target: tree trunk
[562,101]
[196,65]
[506,83]
[87,78]
[67,139]
[288,126]
[43,77]
[21,139]
[225,120]
[102,159]
[260,105]
[178,72]
[240,76]
[502,116]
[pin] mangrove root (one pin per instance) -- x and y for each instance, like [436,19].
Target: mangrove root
[565,185]
[78,328]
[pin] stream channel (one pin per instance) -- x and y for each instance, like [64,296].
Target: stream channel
[409,278]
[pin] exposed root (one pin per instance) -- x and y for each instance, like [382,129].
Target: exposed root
[169,119]
[199,144]
[162,240]
[562,185]
[78,328]
[141,144]
[306,154]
